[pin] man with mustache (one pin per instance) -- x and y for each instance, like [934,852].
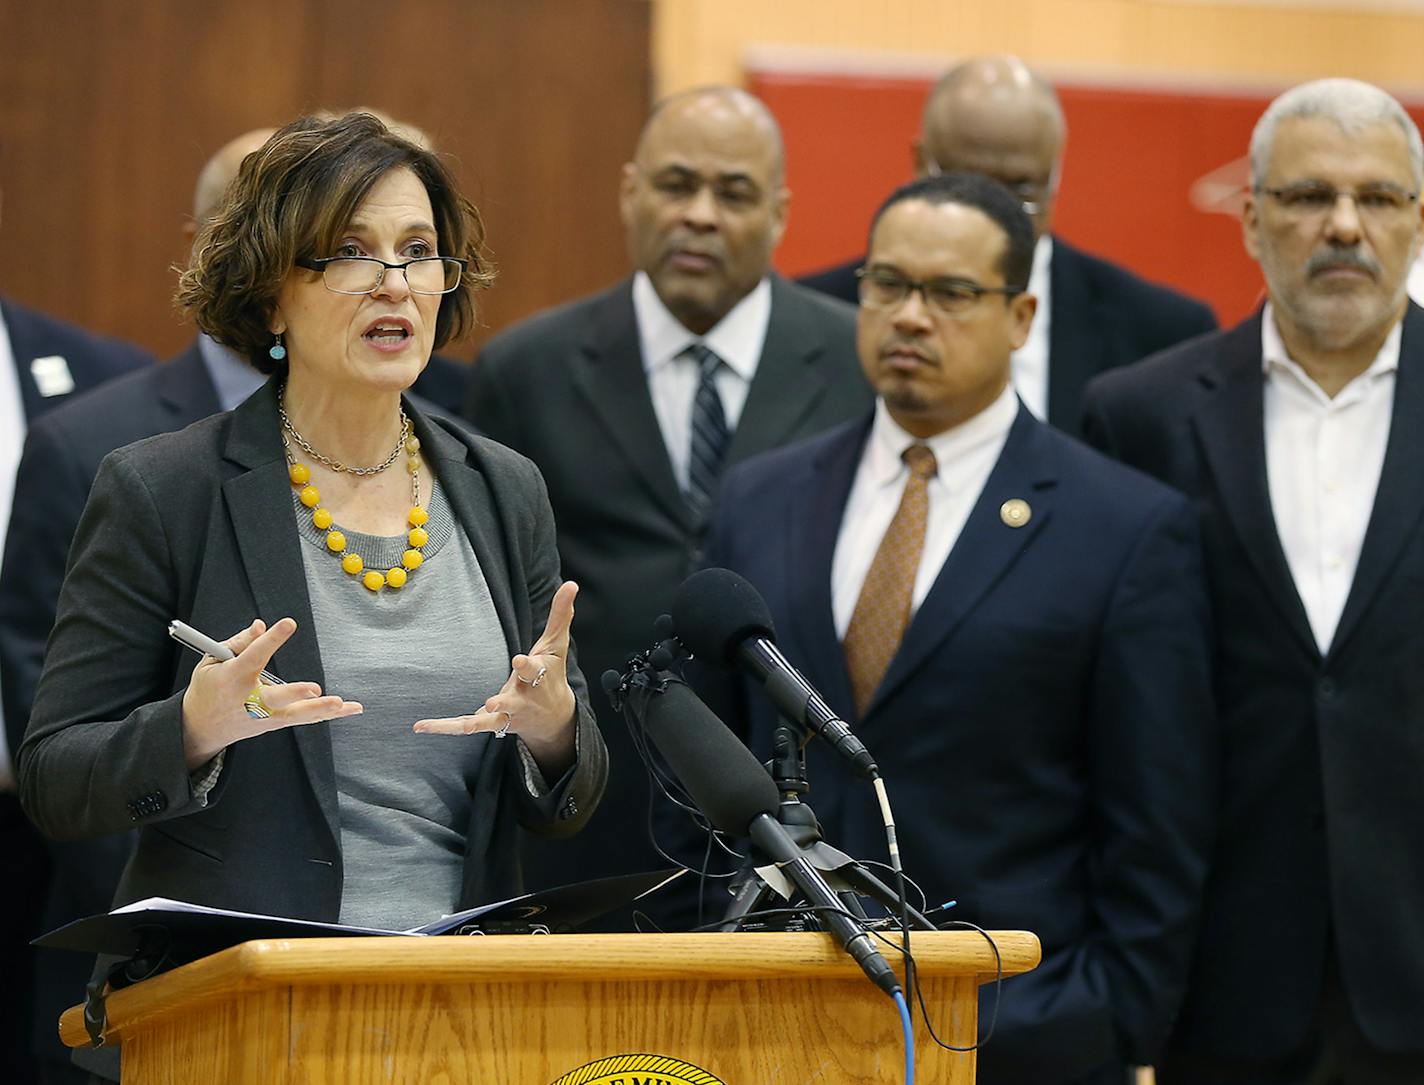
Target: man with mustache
[1299,435]
[632,401]
[1014,625]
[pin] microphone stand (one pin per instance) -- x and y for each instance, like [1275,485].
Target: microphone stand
[850,880]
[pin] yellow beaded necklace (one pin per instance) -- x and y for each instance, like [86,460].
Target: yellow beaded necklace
[310,496]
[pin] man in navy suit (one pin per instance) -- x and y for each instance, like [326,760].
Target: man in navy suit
[1014,624]
[61,456]
[43,364]
[1299,436]
[994,116]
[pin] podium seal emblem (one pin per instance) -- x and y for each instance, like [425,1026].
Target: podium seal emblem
[639,1070]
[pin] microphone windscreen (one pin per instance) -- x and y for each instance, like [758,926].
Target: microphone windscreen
[726,782]
[611,680]
[715,610]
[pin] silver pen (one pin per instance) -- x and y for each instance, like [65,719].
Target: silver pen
[204,645]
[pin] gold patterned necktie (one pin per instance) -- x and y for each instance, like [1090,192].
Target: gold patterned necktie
[882,610]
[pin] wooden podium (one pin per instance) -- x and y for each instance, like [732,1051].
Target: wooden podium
[742,1009]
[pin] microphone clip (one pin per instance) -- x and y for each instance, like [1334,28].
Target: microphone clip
[647,671]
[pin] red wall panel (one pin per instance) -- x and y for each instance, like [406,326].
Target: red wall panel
[1151,178]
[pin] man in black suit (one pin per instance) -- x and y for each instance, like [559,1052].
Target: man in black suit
[44,363]
[1299,436]
[992,115]
[630,401]
[61,457]
[1014,625]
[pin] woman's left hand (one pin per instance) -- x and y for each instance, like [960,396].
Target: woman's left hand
[536,702]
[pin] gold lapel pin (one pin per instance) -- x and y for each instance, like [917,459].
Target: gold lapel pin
[1015,512]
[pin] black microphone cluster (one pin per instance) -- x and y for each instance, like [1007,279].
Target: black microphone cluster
[739,798]
[723,620]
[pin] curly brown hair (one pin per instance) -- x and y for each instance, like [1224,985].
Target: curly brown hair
[292,199]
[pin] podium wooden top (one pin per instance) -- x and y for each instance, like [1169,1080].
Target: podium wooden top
[510,959]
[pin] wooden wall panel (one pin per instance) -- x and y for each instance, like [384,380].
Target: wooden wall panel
[1231,41]
[111,107]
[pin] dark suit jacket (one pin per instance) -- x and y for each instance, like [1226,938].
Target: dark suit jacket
[567,389]
[199,525]
[1322,812]
[1045,731]
[1102,316]
[445,383]
[92,359]
[61,457]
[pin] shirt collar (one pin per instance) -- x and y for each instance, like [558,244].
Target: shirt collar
[888,440]
[737,338]
[1038,278]
[233,378]
[1275,356]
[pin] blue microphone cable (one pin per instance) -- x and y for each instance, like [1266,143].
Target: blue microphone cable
[908,1026]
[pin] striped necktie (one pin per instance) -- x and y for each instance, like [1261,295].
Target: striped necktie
[709,434]
[882,610]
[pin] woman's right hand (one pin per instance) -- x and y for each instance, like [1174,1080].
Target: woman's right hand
[214,713]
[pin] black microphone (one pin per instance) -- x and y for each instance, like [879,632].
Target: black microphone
[739,798]
[724,621]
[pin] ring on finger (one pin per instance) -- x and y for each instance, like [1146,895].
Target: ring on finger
[255,706]
[538,677]
[504,727]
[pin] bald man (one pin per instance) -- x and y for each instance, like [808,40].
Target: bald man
[61,456]
[632,401]
[994,116]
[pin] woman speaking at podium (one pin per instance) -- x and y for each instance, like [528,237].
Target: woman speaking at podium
[394,574]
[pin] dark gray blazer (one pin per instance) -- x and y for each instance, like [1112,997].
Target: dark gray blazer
[198,525]
[567,388]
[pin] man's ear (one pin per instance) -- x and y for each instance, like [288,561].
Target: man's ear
[781,212]
[627,191]
[920,162]
[1250,225]
[1022,308]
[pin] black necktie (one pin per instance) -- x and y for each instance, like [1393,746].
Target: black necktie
[709,434]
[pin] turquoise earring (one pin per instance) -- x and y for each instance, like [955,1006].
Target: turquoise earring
[276,351]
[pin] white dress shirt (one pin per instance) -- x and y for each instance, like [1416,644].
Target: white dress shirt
[737,339]
[1323,463]
[1030,362]
[12,441]
[965,456]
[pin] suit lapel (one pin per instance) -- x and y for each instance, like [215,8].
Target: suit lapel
[1399,500]
[185,389]
[1232,433]
[1073,321]
[985,550]
[786,386]
[814,513]
[260,503]
[24,348]
[609,373]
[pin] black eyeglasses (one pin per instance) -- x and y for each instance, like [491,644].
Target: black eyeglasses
[884,289]
[1311,198]
[364,274]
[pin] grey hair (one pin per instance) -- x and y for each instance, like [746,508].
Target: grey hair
[1349,103]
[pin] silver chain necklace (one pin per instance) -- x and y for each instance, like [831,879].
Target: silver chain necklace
[334,465]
